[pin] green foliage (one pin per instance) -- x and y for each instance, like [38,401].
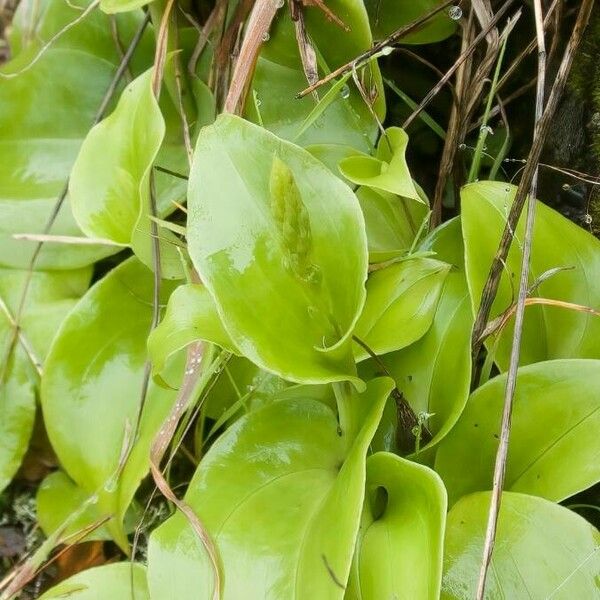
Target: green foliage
[400,543]
[554,433]
[281,336]
[549,331]
[281,248]
[92,391]
[120,581]
[542,550]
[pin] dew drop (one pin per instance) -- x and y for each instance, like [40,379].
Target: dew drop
[111,485]
[265,36]
[588,219]
[387,50]
[258,102]
[455,13]
[345,92]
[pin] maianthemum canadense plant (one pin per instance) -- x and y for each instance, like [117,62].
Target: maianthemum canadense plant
[278,312]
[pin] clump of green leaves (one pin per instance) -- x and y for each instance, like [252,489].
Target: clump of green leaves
[294,340]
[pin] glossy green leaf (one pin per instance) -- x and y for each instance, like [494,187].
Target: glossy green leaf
[42,131]
[279,242]
[434,373]
[271,491]
[278,77]
[554,434]
[387,171]
[400,546]
[50,296]
[400,306]
[392,222]
[59,497]
[387,16]
[92,386]
[549,332]
[118,581]
[107,189]
[542,550]
[110,191]
[191,315]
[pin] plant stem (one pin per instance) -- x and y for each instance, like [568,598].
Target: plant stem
[483,130]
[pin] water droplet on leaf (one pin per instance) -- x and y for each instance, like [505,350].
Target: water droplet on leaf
[455,13]
[265,36]
[345,92]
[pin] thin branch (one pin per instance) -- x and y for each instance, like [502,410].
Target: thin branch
[493,280]
[261,17]
[366,56]
[530,185]
[459,61]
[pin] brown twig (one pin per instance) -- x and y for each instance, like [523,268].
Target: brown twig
[308,56]
[160,444]
[366,56]
[528,184]
[261,17]
[459,61]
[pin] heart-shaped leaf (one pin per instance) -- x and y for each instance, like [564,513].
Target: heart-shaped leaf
[387,171]
[549,331]
[542,550]
[118,581]
[279,242]
[46,112]
[400,306]
[400,546]
[271,491]
[92,387]
[553,439]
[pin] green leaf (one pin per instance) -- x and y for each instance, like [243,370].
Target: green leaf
[542,550]
[191,315]
[278,77]
[279,242]
[400,546]
[119,6]
[110,191]
[392,222]
[387,16]
[271,491]
[107,189]
[553,439]
[92,386]
[434,373]
[46,112]
[400,306]
[118,581]
[58,498]
[387,171]
[50,296]
[549,332]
